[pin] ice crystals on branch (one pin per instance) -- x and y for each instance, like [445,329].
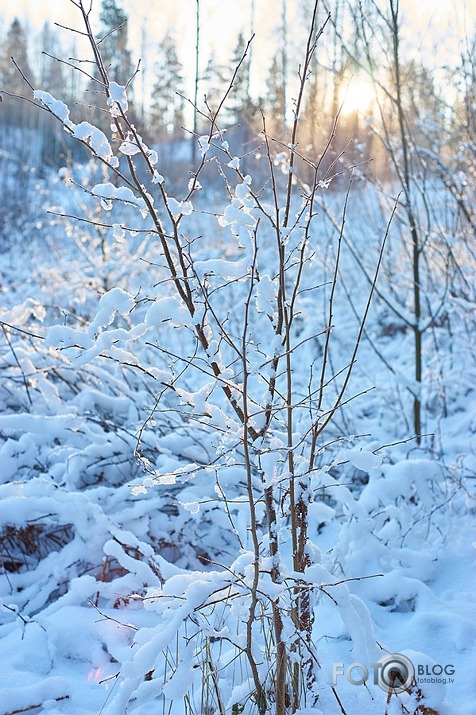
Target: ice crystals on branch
[152,156]
[138,489]
[133,144]
[284,234]
[191,506]
[117,101]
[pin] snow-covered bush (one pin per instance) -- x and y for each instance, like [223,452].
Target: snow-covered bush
[236,316]
[172,449]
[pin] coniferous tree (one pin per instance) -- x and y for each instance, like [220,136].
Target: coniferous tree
[52,73]
[15,45]
[196,82]
[167,106]
[19,145]
[313,107]
[113,45]
[216,78]
[113,42]
[425,109]
[242,109]
[51,79]
[275,97]
[238,104]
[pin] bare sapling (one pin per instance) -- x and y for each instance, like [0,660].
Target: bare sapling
[230,326]
[428,265]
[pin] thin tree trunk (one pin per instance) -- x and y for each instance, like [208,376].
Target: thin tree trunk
[195,94]
[284,59]
[415,238]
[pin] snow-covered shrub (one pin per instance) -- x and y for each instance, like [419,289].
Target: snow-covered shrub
[172,449]
[217,340]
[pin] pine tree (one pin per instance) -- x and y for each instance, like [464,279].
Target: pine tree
[239,102]
[52,73]
[314,107]
[215,80]
[241,109]
[167,106]
[275,97]
[15,45]
[52,79]
[113,42]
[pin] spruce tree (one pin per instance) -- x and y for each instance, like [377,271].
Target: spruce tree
[113,42]
[52,74]
[216,79]
[275,97]
[51,79]
[15,45]
[167,106]
[239,102]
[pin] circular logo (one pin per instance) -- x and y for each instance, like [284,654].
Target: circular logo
[395,673]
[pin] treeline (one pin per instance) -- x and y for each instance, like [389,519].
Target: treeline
[437,102]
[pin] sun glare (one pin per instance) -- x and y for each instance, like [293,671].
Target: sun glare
[357,96]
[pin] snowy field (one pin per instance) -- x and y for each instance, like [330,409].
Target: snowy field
[237,382]
[125,540]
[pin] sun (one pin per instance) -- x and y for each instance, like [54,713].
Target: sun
[357,95]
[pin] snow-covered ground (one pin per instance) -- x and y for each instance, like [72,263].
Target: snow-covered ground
[114,527]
